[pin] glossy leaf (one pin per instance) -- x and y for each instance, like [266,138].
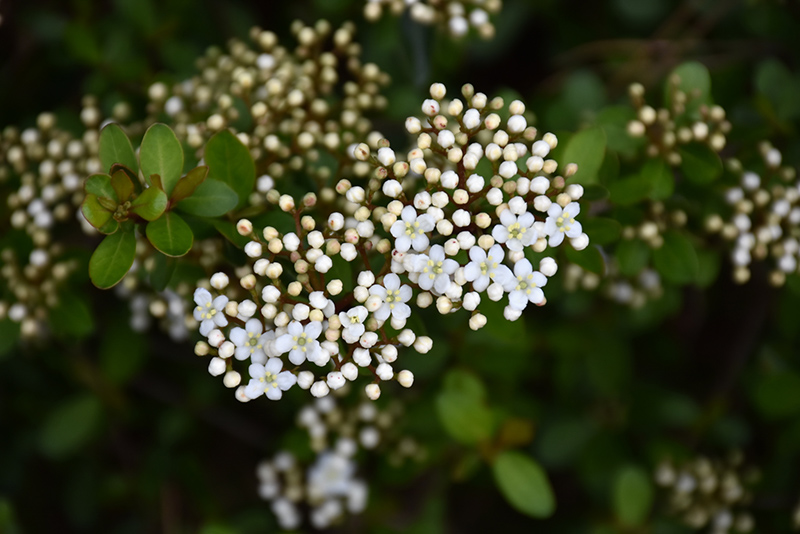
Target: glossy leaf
[100,185]
[629,190]
[137,184]
[676,259]
[694,80]
[659,175]
[150,205]
[115,147]
[587,148]
[602,230]
[632,256]
[112,259]
[187,185]
[170,235]
[524,484]
[212,198]
[230,161]
[462,409]
[123,186]
[161,153]
[69,426]
[93,212]
[162,271]
[633,496]
[699,164]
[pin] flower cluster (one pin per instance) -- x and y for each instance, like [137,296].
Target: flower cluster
[765,218]
[666,129]
[710,493]
[329,486]
[338,298]
[302,107]
[457,17]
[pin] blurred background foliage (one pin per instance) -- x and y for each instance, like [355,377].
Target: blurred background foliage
[105,430]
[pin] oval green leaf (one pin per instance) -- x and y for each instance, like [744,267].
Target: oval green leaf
[693,79]
[100,185]
[632,256]
[524,484]
[602,230]
[187,185]
[587,148]
[115,147]
[230,161]
[699,164]
[588,258]
[170,235]
[69,426]
[112,259]
[633,496]
[150,205]
[122,184]
[162,154]
[212,198]
[462,410]
[94,212]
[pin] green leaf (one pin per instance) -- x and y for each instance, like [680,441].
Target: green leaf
[170,235]
[587,148]
[150,204]
[100,185]
[588,258]
[69,426]
[602,230]
[94,212]
[594,192]
[230,161]
[780,87]
[134,177]
[699,164]
[676,259]
[633,496]
[163,269]
[122,351]
[524,484]
[659,175]
[9,334]
[632,256]
[112,259]
[212,198]
[71,317]
[122,184]
[115,147]
[462,410]
[629,190]
[693,79]
[162,154]
[187,185]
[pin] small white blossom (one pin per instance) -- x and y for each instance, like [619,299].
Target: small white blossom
[435,270]
[301,343]
[208,312]
[268,379]
[353,322]
[516,232]
[526,286]
[410,230]
[486,268]
[250,341]
[561,222]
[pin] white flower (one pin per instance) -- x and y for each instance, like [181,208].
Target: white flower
[562,222]
[394,298]
[515,231]
[269,379]
[353,322]
[209,312]
[301,343]
[250,341]
[410,230]
[486,268]
[526,287]
[435,270]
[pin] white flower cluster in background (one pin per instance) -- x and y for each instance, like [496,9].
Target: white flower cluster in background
[328,488]
[765,218]
[467,216]
[712,494]
[457,17]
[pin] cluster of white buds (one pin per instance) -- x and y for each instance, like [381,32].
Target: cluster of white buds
[710,493]
[455,16]
[41,178]
[765,219]
[296,110]
[460,221]
[665,129]
[629,291]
